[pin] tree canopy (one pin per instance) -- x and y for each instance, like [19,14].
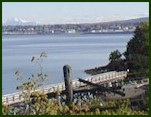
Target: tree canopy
[115,56]
[137,53]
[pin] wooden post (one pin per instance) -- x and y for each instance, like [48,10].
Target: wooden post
[68,84]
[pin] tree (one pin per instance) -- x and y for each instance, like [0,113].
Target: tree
[115,56]
[137,53]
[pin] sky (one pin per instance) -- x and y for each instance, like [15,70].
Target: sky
[74,12]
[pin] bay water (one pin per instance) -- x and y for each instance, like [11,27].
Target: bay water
[80,51]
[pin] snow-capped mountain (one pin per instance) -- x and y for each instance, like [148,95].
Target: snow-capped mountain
[18,21]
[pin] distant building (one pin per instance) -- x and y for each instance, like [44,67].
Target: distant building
[93,31]
[71,31]
[125,29]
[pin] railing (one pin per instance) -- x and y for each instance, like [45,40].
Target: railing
[104,77]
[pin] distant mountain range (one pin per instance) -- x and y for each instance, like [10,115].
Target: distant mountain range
[18,22]
[22,22]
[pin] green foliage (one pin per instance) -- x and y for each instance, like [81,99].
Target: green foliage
[115,56]
[116,61]
[43,106]
[137,53]
[140,42]
[124,109]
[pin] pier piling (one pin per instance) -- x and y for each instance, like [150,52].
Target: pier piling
[68,84]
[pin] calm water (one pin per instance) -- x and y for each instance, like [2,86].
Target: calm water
[79,51]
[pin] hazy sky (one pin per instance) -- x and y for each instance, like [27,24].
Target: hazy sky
[73,12]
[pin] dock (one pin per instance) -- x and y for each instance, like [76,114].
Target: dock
[104,78]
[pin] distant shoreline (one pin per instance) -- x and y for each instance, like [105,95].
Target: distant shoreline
[110,33]
[74,33]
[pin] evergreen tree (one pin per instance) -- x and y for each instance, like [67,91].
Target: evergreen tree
[137,53]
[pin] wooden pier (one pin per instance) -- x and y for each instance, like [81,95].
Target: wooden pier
[104,78]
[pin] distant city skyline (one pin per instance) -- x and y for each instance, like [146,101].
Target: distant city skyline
[74,12]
